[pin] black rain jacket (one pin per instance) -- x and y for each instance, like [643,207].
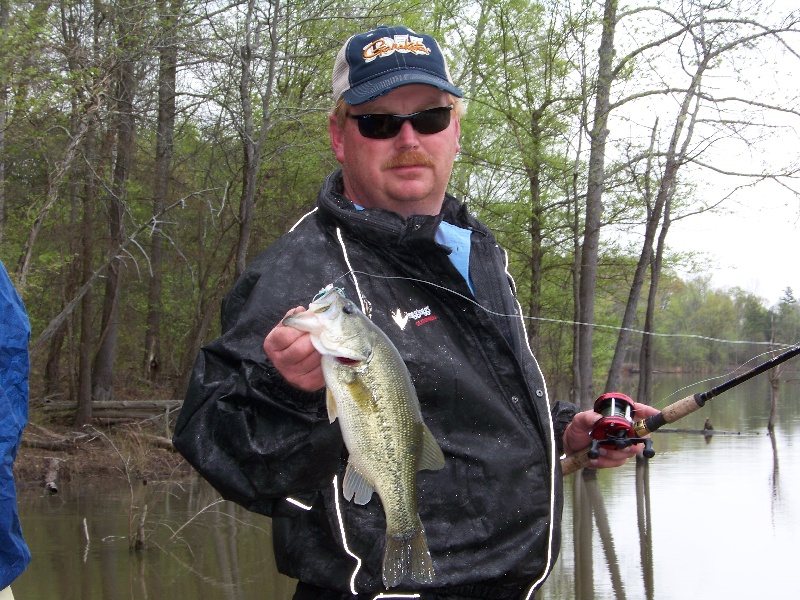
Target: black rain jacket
[492,514]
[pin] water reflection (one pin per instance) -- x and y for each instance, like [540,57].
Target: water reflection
[195,545]
[705,518]
[594,498]
[643,520]
[712,517]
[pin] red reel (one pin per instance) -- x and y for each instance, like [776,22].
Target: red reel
[615,428]
[617,421]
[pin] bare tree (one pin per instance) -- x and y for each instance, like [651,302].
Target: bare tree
[252,140]
[127,23]
[711,33]
[584,387]
[169,15]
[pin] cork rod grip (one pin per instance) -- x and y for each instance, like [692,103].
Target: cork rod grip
[573,462]
[674,412]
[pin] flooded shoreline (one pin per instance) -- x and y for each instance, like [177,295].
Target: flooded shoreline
[703,508]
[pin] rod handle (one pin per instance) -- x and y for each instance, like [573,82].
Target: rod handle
[673,412]
[574,462]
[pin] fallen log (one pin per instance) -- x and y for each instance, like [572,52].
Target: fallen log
[48,405]
[112,415]
[34,427]
[52,445]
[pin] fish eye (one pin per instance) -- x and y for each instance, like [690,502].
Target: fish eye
[348,309]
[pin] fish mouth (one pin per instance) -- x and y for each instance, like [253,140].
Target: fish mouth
[346,360]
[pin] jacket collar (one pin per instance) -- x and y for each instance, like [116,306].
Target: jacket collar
[384,227]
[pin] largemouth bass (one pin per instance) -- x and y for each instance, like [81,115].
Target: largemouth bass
[369,390]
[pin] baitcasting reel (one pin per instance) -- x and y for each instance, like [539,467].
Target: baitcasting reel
[615,428]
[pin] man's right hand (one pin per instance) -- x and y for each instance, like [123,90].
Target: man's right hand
[294,356]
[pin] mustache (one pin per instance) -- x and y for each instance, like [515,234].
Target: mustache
[412,158]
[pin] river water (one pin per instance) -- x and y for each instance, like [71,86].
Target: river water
[708,517]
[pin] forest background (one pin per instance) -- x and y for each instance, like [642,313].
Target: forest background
[148,150]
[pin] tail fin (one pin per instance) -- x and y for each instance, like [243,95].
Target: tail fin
[404,555]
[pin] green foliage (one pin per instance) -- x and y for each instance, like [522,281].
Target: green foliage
[526,69]
[786,319]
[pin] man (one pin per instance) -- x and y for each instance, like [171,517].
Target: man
[433,278]
[14,335]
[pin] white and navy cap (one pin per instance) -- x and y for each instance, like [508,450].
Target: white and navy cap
[376,62]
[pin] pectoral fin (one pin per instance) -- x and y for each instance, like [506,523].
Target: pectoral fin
[331,402]
[356,486]
[431,457]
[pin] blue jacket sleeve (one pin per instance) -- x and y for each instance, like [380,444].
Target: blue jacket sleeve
[14,369]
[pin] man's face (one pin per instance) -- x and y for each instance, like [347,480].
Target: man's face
[408,173]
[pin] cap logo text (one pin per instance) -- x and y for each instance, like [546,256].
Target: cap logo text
[387,46]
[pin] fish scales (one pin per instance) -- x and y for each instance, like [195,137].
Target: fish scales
[386,439]
[370,391]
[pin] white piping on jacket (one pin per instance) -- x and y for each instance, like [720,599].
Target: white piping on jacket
[340,520]
[298,504]
[290,500]
[335,483]
[361,298]
[336,496]
[303,218]
[553,461]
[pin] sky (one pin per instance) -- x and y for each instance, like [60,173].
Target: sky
[753,240]
[753,244]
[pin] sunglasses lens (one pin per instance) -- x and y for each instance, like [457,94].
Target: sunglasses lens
[382,127]
[432,121]
[379,127]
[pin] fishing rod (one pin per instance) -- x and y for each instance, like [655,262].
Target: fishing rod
[617,428]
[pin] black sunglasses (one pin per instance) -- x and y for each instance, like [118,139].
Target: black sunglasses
[382,127]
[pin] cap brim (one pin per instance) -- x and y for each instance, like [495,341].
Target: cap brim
[378,86]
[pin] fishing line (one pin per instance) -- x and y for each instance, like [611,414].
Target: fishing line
[694,336]
[773,346]
[741,367]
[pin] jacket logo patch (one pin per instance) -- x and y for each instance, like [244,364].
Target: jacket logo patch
[400,319]
[419,316]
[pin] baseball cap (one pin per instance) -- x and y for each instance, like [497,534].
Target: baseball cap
[376,62]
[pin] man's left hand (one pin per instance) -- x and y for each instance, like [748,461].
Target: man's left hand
[576,438]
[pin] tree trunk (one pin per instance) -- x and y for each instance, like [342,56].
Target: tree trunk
[644,392]
[103,370]
[71,279]
[249,146]
[629,317]
[83,414]
[167,73]
[666,190]
[250,159]
[774,386]
[594,207]
[253,145]
[535,232]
